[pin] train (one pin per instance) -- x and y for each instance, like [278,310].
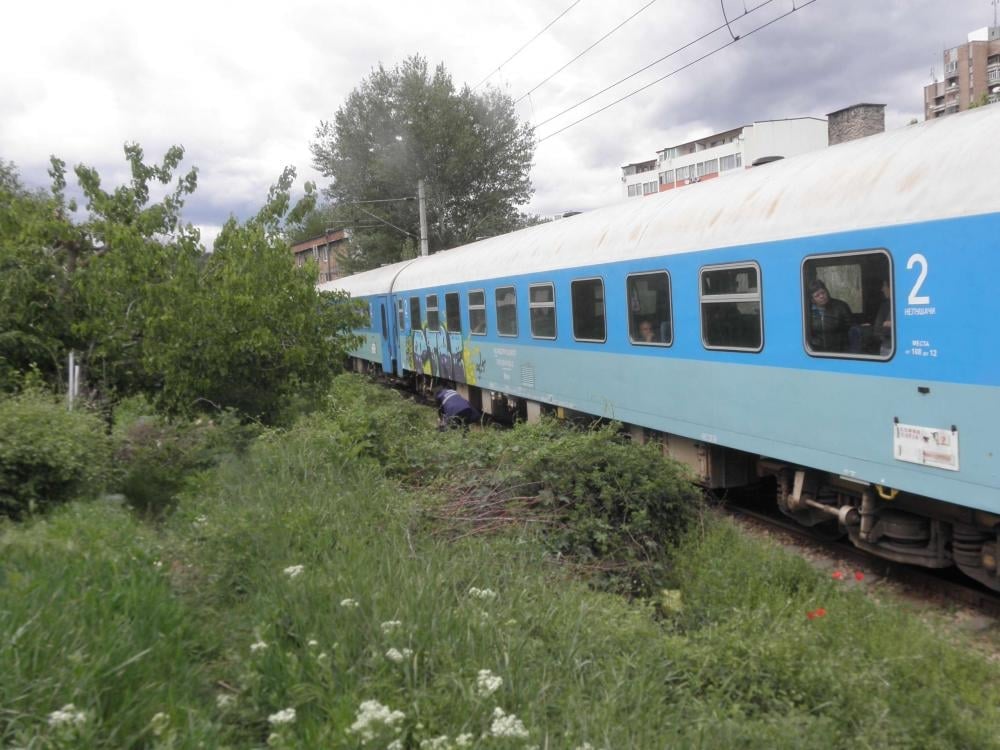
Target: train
[821,322]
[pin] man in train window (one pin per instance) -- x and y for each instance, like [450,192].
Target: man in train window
[829,320]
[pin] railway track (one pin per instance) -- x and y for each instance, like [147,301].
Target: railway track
[944,587]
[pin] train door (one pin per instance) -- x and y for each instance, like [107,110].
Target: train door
[388,339]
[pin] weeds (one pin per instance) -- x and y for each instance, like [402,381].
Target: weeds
[302,600]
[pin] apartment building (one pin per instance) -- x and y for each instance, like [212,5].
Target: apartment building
[721,153]
[971,75]
[327,249]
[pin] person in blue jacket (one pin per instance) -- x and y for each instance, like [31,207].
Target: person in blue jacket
[453,409]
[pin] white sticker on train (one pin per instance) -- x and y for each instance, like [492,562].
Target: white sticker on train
[927,446]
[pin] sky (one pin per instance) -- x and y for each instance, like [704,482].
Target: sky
[243,86]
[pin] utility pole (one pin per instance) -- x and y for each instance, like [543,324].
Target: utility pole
[423,217]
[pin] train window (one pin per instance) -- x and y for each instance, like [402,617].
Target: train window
[365,309]
[477,312]
[542,304]
[730,307]
[433,320]
[414,313]
[847,305]
[588,310]
[506,301]
[452,313]
[649,318]
[400,315]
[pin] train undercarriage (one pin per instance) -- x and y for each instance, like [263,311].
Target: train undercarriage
[882,521]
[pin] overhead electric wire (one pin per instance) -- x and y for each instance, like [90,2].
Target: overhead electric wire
[644,68]
[521,49]
[668,75]
[560,70]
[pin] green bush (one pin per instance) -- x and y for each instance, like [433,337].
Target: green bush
[382,425]
[48,455]
[156,456]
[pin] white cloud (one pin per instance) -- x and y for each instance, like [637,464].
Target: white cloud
[243,86]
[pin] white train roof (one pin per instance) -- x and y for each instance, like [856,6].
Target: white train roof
[376,281]
[938,169]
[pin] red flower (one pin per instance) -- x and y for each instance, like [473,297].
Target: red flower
[811,615]
[858,575]
[838,575]
[820,612]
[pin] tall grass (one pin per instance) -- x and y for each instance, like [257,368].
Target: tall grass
[298,577]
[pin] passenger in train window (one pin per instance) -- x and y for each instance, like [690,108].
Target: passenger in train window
[829,319]
[883,321]
[877,336]
[647,332]
[454,411]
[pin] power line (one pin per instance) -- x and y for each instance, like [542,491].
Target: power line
[673,72]
[521,49]
[647,67]
[560,70]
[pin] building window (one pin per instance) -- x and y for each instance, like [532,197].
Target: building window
[649,318]
[587,299]
[542,306]
[708,167]
[847,305]
[634,190]
[506,302]
[730,162]
[414,313]
[477,312]
[682,173]
[433,320]
[648,188]
[667,178]
[731,307]
[452,313]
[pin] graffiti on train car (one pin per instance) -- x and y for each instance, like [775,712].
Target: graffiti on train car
[443,354]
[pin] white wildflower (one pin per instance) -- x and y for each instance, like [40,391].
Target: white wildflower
[396,744]
[487,683]
[294,570]
[258,646]
[313,643]
[372,714]
[158,564]
[397,655]
[507,725]
[224,700]
[323,657]
[476,593]
[585,746]
[390,625]
[200,521]
[349,603]
[67,716]
[159,723]
[286,716]
[464,740]
[437,743]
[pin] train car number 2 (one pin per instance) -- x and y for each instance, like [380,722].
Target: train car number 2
[915,298]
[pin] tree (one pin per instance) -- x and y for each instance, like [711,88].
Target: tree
[246,329]
[406,124]
[34,314]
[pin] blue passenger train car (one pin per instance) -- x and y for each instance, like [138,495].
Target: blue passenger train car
[824,320]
